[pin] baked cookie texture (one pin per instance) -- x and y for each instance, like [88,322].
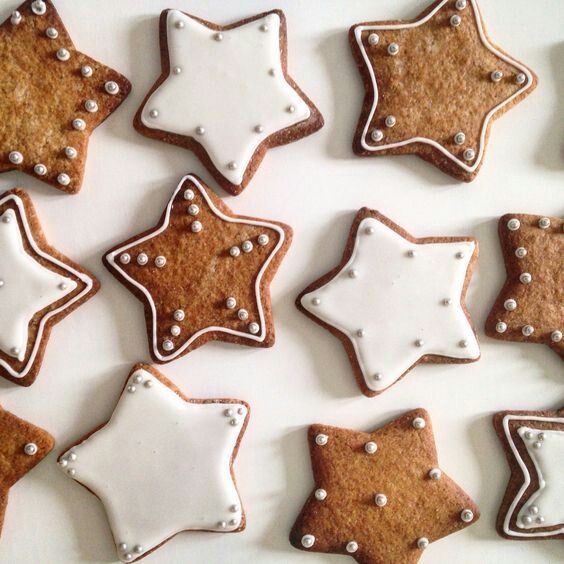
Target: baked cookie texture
[372,500]
[51,97]
[162,464]
[434,85]
[39,286]
[225,93]
[396,301]
[22,447]
[202,273]
[530,306]
[532,507]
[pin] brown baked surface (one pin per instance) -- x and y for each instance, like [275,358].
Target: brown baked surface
[15,434]
[41,242]
[40,96]
[162,378]
[200,274]
[282,137]
[436,86]
[349,248]
[516,479]
[417,506]
[540,303]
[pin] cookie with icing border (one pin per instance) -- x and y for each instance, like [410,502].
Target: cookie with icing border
[22,447]
[202,273]
[371,501]
[162,464]
[39,286]
[396,301]
[533,504]
[530,306]
[434,85]
[225,93]
[52,97]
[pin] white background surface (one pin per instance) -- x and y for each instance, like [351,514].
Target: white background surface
[315,185]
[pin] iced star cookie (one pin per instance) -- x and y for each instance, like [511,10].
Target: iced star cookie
[162,464]
[225,93]
[39,286]
[52,97]
[530,306]
[22,447]
[396,301]
[434,85]
[202,273]
[374,503]
[533,505]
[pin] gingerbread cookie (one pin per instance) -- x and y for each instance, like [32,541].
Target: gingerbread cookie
[434,85]
[375,503]
[22,447]
[530,306]
[202,273]
[162,464]
[225,93]
[52,97]
[396,301]
[533,505]
[39,286]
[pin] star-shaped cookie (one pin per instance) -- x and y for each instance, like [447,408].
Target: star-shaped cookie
[379,497]
[434,85]
[39,286]
[395,301]
[530,306]
[51,97]
[202,273]
[533,505]
[162,464]
[225,93]
[22,446]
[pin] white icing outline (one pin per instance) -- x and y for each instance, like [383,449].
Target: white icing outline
[83,277]
[110,257]
[358,36]
[526,475]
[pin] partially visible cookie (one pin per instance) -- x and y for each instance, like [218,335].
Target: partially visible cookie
[202,273]
[51,98]
[162,464]
[39,286]
[395,301]
[533,505]
[226,94]
[434,85]
[379,497]
[530,306]
[22,447]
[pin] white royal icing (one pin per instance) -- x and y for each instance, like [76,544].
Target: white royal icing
[28,287]
[396,301]
[478,157]
[225,87]
[161,465]
[113,259]
[548,463]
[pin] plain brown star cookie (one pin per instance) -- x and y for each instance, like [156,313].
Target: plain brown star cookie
[533,441]
[22,446]
[51,97]
[530,306]
[203,273]
[434,85]
[379,497]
